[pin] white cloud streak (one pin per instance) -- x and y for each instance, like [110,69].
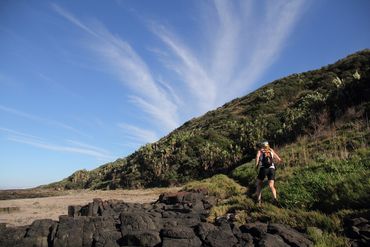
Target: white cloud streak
[138,135]
[189,68]
[226,41]
[242,46]
[131,70]
[40,119]
[279,22]
[18,133]
[71,18]
[102,151]
[76,147]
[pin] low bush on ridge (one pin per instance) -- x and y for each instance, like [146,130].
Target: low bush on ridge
[220,186]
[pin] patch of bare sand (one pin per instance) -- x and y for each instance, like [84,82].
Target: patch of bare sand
[52,207]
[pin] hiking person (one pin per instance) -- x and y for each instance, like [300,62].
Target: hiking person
[265,161]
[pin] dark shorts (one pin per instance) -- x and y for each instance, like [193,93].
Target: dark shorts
[269,172]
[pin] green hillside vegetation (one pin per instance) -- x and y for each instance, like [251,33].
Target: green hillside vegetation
[318,122]
[316,196]
[294,107]
[325,178]
[325,229]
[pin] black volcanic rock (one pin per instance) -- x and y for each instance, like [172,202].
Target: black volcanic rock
[257,229]
[116,223]
[290,236]
[358,230]
[40,232]
[142,238]
[269,240]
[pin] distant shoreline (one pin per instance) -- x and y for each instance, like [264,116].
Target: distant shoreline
[10,194]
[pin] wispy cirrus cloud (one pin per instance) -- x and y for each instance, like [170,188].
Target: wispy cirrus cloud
[60,148]
[130,69]
[40,119]
[188,67]
[72,19]
[238,48]
[72,147]
[137,135]
[102,151]
[272,34]
[241,47]
[19,134]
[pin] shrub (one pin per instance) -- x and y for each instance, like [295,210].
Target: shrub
[220,186]
[245,174]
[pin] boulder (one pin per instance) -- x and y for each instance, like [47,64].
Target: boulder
[74,210]
[13,236]
[172,242]
[142,238]
[257,229]
[220,238]
[213,235]
[289,235]
[179,236]
[136,222]
[2,227]
[40,233]
[185,199]
[209,202]
[105,238]
[269,240]
[172,198]
[203,229]
[246,240]
[69,232]
[182,232]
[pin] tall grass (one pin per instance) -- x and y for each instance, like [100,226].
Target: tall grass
[328,186]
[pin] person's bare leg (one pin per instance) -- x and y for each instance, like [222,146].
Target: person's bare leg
[272,187]
[259,189]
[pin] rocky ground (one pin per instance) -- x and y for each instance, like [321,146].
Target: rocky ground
[25,209]
[175,219]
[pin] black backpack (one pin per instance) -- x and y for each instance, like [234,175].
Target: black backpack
[266,158]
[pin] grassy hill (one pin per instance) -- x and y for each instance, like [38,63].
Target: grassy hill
[310,118]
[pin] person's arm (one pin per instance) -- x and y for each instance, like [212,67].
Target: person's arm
[277,156]
[258,158]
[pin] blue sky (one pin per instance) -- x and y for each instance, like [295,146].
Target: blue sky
[83,83]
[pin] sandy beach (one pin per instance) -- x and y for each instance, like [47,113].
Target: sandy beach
[25,211]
